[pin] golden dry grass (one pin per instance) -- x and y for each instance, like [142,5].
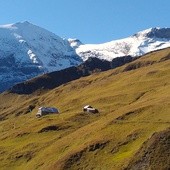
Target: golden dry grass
[134,103]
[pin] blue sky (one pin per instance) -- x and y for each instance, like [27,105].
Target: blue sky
[91,21]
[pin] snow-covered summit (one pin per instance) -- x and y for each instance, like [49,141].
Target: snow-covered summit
[156,32]
[27,50]
[140,43]
[32,44]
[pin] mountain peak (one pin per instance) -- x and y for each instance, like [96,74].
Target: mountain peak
[155,32]
[24,22]
[75,43]
[28,50]
[14,25]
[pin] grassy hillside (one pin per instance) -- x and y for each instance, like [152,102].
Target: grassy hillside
[134,103]
[154,153]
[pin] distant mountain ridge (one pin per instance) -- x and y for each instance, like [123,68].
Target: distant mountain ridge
[27,50]
[57,78]
[136,45]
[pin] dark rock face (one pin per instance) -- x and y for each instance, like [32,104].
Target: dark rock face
[117,62]
[12,72]
[159,33]
[49,128]
[47,81]
[8,61]
[94,65]
[154,154]
[57,78]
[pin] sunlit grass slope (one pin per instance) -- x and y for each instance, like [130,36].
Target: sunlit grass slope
[134,103]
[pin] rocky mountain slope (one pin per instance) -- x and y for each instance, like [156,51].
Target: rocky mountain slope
[54,79]
[154,154]
[27,50]
[130,129]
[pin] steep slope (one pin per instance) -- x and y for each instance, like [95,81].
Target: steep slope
[31,43]
[133,103]
[27,50]
[154,154]
[57,78]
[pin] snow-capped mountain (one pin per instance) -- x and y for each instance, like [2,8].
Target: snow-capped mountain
[27,50]
[136,45]
[30,43]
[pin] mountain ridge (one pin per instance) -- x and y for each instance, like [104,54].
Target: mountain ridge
[28,50]
[91,66]
[54,79]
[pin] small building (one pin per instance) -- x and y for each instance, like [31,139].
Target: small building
[46,110]
[90,109]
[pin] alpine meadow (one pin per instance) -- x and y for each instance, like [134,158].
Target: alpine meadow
[131,130]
